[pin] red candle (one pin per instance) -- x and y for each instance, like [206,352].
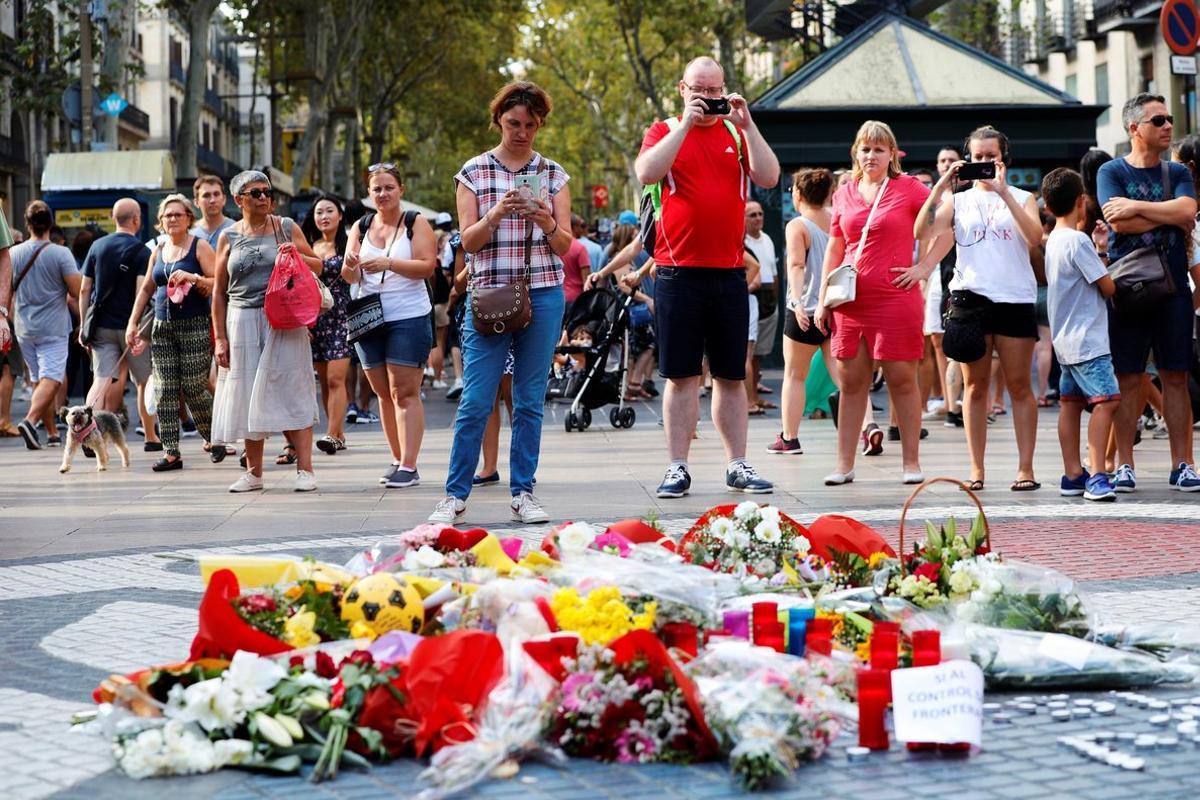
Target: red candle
[818,642]
[894,627]
[926,648]
[765,612]
[822,625]
[885,649]
[682,635]
[874,686]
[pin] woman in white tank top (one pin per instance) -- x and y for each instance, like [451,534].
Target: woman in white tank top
[994,226]
[392,260]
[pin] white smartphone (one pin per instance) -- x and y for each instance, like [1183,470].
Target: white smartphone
[532,187]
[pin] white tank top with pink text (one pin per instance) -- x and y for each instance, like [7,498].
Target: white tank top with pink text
[993,257]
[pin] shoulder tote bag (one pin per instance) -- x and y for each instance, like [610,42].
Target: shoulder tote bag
[842,284]
[506,309]
[1143,277]
[293,299]
[365,313]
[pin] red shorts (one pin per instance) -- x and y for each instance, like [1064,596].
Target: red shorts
[891,325]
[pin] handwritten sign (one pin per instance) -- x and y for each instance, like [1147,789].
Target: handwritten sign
[941,704]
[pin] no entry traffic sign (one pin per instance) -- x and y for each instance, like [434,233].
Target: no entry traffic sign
[1180,26]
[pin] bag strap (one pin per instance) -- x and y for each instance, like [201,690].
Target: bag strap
[28,269]
[364,225]
[862,239]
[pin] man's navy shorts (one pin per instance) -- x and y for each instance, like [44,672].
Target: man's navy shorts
[1168,332]
[701,311]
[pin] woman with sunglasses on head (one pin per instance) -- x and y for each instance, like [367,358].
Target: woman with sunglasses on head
[872,228]
[324,230]
[387,259]
[181,279]
[264,377]
[993,294]
[504,229]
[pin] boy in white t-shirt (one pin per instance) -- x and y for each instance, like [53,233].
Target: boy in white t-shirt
[1078,285]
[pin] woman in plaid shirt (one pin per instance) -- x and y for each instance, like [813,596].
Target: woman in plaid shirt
[493,217]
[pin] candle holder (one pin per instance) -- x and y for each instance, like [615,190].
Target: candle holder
[737,622]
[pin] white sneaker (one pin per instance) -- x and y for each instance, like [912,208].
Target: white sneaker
[248,482]
[440,384]
[527,508]
[448,511]
[305,481]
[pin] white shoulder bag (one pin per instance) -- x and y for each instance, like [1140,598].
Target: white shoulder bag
[842,284]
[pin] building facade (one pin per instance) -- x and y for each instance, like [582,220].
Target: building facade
[1105,52]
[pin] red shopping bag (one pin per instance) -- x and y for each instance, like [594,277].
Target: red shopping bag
[293,297]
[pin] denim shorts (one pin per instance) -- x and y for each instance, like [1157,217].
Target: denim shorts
[1089,382]
[403,342]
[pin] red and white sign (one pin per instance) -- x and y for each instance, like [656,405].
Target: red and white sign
[599,196]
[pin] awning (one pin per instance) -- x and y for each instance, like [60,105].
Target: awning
[120,169]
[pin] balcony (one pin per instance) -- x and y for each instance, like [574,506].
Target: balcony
[136,119]
[209,161]
[11,152]
[212,101]
[177,73]
[1124,15]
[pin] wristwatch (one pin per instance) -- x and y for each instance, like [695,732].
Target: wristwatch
[792,304]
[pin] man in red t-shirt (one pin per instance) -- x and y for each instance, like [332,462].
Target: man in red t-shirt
[705,163]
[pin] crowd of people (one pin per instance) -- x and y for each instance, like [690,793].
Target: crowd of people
[952,288]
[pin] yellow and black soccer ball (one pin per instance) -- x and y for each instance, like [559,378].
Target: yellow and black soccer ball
[385,602]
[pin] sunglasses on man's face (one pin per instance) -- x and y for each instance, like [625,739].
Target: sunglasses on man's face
[257,194]
[1158,120]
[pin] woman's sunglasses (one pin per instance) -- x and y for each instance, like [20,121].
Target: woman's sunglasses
[257,194]
[382,165]
[1158,120]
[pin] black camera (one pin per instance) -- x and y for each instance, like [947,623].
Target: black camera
[977,171]
[715,106]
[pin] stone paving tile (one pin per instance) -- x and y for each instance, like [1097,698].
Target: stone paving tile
[125,636]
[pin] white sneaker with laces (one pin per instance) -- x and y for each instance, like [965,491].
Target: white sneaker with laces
[305,481]
[248,482]
[448,511]
[528,509]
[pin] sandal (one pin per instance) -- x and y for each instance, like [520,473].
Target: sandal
[330,445]
[1045,402]
[1025,485]
[286,456]
[998,411]
[766,404]
[975,485]
[242,459]
[756,410]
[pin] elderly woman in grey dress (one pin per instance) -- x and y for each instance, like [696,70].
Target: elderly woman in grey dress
[264,377]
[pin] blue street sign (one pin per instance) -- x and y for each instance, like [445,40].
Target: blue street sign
[114,104]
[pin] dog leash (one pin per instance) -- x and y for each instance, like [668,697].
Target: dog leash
[142,328]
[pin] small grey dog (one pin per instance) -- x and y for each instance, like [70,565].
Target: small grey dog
[96,429]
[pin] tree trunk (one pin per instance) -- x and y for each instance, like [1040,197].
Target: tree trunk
[328,149]
[199,18]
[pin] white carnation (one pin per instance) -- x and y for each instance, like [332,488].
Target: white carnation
[768,531]
[769,513]
[576,536]
[424,557]
[721,528]
[746,510]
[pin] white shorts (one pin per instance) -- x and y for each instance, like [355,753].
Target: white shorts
[933,306]
[45,357]
[753,335]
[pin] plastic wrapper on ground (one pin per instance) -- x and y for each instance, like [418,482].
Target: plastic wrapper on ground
[509,728]
[1166,641]
[1019,596]
[1034,660]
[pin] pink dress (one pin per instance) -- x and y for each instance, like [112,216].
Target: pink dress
[888,318]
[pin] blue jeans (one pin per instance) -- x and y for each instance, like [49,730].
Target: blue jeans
[483,365]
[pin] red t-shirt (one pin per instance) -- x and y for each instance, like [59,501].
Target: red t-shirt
[703,218]
[574,261]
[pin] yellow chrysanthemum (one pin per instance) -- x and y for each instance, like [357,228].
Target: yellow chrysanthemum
[876,559]
[601,617]
[298,629]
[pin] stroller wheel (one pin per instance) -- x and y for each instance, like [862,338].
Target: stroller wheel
[569,421]
[586,421]
[627,417]
[614,416]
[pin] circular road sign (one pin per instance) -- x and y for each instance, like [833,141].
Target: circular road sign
[1180,26]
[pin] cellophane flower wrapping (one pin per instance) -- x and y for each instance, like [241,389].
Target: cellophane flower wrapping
[1166,641]
[1018,596]
[771,712]
[509,728]
[750,541]
[667,581]
[1018,659]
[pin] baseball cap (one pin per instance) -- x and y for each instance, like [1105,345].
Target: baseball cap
[443,218]
[627,217]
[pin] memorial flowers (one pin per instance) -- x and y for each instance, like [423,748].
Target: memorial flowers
[306,613]
[600,617]
[747,540]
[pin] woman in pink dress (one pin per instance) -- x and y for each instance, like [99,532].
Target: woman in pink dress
[884,321]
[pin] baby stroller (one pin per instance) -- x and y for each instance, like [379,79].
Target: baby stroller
[606,314]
